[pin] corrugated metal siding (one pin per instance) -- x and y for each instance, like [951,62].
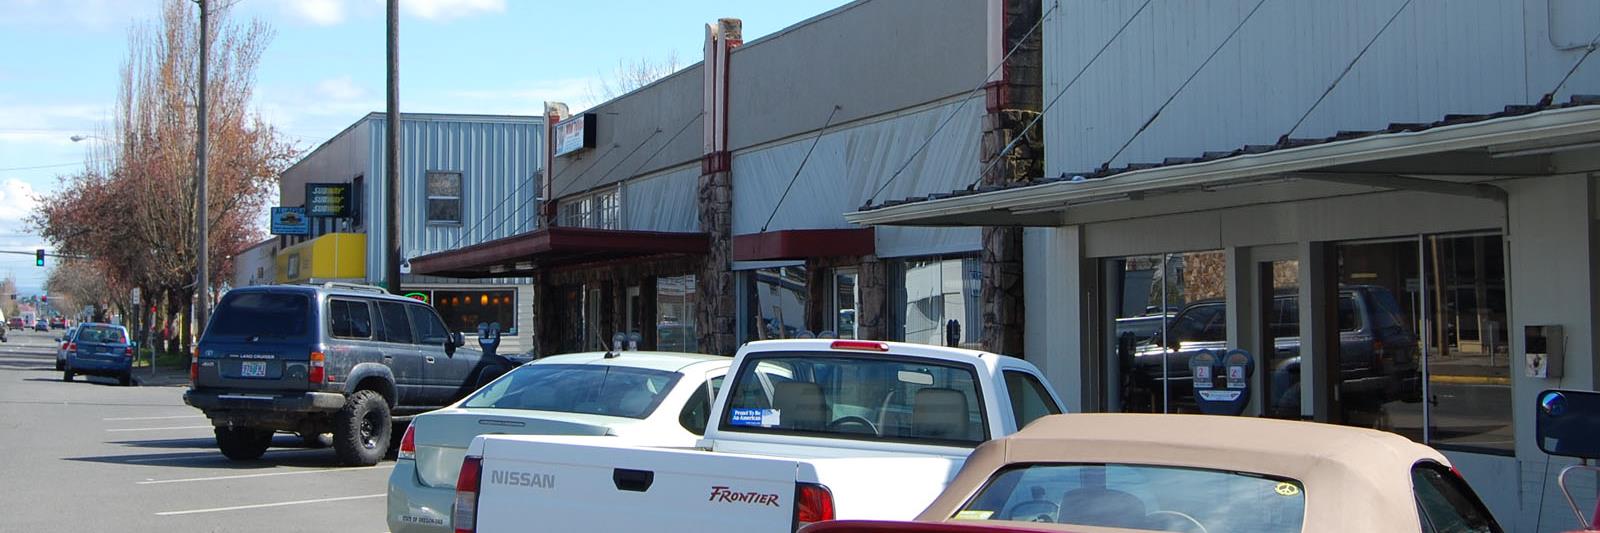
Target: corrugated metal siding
[1438,58]
[497,158]
[667,201]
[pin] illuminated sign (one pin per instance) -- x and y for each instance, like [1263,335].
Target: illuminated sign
[421,296]
[328,199]
[575,133]
[290,221]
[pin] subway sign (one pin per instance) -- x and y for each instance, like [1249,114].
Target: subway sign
[328,199]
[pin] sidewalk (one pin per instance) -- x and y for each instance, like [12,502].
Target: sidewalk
[1470,369]
[162,377]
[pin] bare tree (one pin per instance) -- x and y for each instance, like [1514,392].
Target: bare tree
[630,75]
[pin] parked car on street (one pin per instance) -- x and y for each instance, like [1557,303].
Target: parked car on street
[1377,353]
[99,350]
[804,431]
[41,325]
[61,347]
[57,322]
[645,398]
[16,323]
[1198,474]
[351,360]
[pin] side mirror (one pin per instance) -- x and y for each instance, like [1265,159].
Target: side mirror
[1565,423]
[455,340]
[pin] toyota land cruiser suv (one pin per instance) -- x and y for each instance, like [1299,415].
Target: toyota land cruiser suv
[343,359]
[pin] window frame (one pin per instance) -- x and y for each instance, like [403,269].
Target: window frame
[710,387]
[428,197]
[1034,384]
[333,332]
[1455,483]
[379,304]
[426,312]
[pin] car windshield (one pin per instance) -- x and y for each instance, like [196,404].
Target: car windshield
[902,399]
[584,389]
[102,335]
[1143,497]
[261,314]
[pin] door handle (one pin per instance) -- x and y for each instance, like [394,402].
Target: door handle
[632,480]
[428,359]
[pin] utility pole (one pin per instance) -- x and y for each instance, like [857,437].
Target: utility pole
[391,155]
[203,277]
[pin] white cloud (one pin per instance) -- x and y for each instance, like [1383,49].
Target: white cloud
[318,12]
[341,88]
[526,99]
[450,9]
[17,200]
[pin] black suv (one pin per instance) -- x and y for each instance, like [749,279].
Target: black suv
[336,358]
[1377,353]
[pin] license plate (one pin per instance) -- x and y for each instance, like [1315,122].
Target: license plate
[253,369]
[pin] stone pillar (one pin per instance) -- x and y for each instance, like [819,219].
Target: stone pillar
[1012,102]
[714,320]
[872,312]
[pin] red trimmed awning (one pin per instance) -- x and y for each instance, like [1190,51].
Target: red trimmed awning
[520,255]
[803,243]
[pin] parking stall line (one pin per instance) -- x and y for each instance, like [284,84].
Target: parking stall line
[131,418]
[266,474]
[159,429]
[206,455]
[267,505]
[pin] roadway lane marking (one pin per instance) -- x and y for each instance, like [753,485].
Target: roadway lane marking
[129,418]
[159,429]
[268,474]
[205,455]
[266,505]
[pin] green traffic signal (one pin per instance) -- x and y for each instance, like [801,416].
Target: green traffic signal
[38,257]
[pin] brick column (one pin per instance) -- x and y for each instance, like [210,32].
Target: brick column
[714,320]
[872,312]
[1011,103]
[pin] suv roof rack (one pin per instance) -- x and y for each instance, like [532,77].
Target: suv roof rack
[355,287]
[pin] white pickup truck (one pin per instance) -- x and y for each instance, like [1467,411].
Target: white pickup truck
[803,431]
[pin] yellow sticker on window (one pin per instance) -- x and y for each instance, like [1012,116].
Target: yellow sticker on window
[1287,489]
[974,515]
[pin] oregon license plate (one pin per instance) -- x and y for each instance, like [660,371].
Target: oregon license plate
[253,369]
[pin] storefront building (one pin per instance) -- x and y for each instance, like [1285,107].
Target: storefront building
[465,179]
[706,209]
[1385,241]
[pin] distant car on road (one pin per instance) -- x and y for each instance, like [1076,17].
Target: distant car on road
[1198,473]
[61,347]
[16,323]
[41,325]
[336,358]
[101,350]
[648,398]
[57,322]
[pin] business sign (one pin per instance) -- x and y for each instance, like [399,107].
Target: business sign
[575,133]
[421,296]
[328,199]
[290,221]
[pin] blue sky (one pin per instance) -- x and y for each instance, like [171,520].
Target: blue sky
[325,68]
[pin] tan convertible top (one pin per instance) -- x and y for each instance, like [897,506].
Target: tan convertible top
[1355,479]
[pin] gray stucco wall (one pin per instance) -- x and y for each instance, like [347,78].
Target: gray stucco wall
[869,57]
[340,159]
[1437,58]
[652,128]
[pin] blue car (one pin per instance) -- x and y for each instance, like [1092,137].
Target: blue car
[99,350]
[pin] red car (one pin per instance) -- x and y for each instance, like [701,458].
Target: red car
[874,526]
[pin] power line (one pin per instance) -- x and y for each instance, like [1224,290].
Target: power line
[985,81]
[1192,75]
[56,165]
[1052,103]
[797,170]
[1344,72]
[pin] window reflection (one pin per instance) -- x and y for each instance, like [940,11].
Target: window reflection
[1167,308]
[676,300]
[937,302]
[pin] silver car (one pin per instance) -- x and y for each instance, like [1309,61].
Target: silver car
[660,399]
[61,347]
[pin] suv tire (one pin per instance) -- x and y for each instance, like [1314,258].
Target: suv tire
[361,430]
[243,444]
[67,373]
[125,380]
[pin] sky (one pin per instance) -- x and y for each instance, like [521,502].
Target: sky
[324,68]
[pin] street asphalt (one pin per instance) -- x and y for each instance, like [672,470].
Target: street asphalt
[92,456]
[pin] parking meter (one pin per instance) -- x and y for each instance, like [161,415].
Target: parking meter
[489,337]
[1234,368]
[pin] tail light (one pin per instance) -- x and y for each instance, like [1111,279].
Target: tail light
[194,366]
[408,444]
[868,346]
[465,514]
[318,368]
[812,503]
[128,351]
[72,346]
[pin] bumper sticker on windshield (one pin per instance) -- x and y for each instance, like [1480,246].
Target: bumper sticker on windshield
[748,416]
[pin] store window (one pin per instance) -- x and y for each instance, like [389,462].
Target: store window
[776,299]
[444,197]
[676,301]
[846,298]
[598,210]
[1164,309]
[463,310]
[936,301]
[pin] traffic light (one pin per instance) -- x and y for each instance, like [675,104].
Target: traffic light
[38,257]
